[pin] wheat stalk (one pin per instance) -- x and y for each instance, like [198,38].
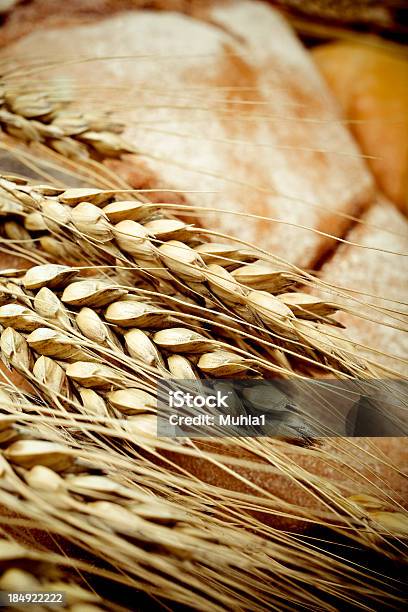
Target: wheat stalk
[45,117]
[91,495]
[157,299]
[92,351]
[141,339]
[168,256]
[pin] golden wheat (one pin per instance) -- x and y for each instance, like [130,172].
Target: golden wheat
[149,296]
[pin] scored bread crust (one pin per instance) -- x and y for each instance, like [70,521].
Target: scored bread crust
[24,17]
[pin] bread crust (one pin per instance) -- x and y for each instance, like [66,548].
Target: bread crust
[371,85]
[373,271]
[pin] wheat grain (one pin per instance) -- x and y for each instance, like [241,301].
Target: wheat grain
[308,306]
[93,328]
[75,196]
[19,317]
[15,232]
[48,306]
[133,238]
[227,255]
[132,401]
[52,343]
[141,347]
[125,210]
[51,375]
[182,340]
[15,349]
[90,219]
[50,276]
[264,276]
[29,453]
[180,367]
[43,478]
[34,222]
[223,363]
[143,425]
[182,260]
[91,293]
[132,313]
[92,403]
[224,285]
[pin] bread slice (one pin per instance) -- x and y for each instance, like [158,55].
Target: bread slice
[228,108]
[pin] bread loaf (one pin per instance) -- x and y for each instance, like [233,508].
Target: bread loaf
[373,270]
[237,116]
[371,84]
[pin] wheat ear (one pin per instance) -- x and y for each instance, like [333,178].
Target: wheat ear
[170,257]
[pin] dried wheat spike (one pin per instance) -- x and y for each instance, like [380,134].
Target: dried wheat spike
[147,329]
[89,496]
[40,117]
[170,257]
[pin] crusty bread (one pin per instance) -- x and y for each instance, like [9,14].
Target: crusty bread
[351,465]
[233,106]
[20,18]
[371,84]
[377,283]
